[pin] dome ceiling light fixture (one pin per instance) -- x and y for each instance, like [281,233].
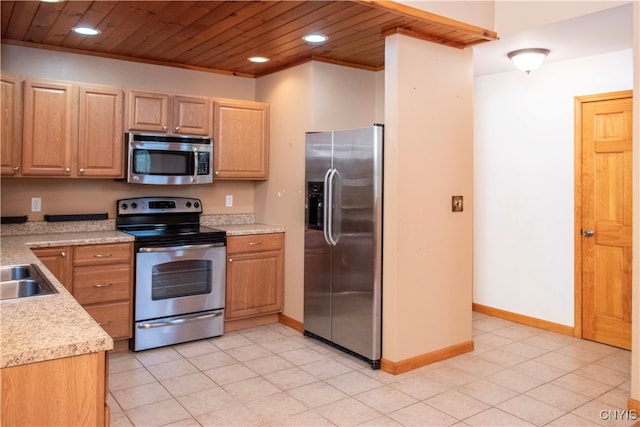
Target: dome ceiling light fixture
[258,59]
[86,30]
[528,60]
[315,38]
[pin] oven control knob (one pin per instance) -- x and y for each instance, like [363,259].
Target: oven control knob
[124,206]
[196,205]
[134,205]
[188,204]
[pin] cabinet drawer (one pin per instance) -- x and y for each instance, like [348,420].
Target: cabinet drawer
[102,254]
[254,243]
[115,319]
[93,285]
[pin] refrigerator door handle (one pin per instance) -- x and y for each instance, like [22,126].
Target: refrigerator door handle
[325,204]
[329,232]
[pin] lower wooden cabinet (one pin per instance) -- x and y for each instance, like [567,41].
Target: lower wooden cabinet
[59,261]
[71,391]
[103,285]
[100,277]
[255,276]
[114,318]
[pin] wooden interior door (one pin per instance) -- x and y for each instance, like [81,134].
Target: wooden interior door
[605,223]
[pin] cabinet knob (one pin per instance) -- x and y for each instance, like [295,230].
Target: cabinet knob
[81,170]
[16,169]
[230,259]
[217,172]
[67,170]
[106,322]
[63,254]
[177,129]
[164,127]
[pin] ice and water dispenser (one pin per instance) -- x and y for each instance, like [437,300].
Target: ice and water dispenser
[315,194]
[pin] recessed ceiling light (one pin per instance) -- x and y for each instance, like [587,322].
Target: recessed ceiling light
[315,38]
[258,59]
[85,30]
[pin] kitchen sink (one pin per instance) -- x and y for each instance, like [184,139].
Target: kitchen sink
[22,281]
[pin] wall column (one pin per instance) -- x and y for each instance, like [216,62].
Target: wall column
[427,277]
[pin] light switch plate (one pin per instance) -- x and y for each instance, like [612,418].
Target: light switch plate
[229,201]
[456,204]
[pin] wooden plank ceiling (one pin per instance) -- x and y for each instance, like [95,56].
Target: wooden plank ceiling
[219,36]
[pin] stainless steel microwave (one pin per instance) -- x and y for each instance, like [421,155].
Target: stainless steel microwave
[168,160]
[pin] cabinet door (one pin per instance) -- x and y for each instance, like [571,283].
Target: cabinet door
[101,284]
[148,111]
[48,132]
[191,115]
[115,318]
[68,391]
[11,132]
[254,284]
[100,132]
[58,261]
[241,140]
[110,253]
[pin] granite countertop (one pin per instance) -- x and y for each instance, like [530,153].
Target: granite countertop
[55,326]
[245,229]
[51,326]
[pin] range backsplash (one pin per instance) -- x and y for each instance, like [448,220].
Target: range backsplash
[44,227]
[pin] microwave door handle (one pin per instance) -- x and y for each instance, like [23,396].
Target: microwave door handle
[196,164]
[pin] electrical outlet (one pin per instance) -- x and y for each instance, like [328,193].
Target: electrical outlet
[229,201]
[36,204]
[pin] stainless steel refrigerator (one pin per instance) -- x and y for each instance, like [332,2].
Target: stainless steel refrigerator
[343,240]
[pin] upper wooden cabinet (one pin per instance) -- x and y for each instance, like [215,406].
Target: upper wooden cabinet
[172,114]
[48,134]
[72,131]
[100,132]
[11,131]
[240,140]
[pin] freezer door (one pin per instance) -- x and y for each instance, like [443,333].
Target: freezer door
[317,252]
[357,230]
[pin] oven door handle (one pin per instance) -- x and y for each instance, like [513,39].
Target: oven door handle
[178,321]
[181,248]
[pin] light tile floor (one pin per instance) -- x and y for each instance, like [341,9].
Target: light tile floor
[274,376]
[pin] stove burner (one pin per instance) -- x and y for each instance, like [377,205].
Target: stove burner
[171,220]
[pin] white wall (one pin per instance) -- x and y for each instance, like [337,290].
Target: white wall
[92,69]
[635,309]
[475,12]
[524,155]
[342,97]
[311,97]
[512,16]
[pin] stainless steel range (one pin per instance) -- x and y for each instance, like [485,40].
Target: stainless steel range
[179,271]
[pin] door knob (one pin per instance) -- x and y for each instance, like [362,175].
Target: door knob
[588,233]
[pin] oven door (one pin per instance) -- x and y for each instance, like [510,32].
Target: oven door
[179,279]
